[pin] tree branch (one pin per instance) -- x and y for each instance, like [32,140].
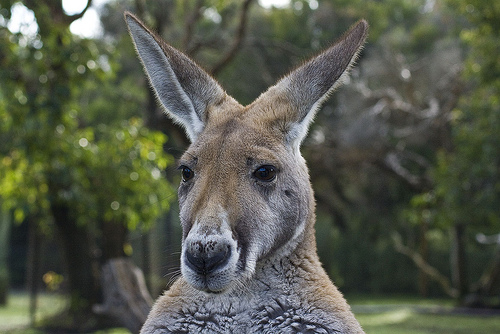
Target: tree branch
[190,23]
[140,7]
[423,265]
[392,164]
[489,280]
[72,18]
[231,53]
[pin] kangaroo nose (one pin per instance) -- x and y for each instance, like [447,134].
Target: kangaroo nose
[204,259]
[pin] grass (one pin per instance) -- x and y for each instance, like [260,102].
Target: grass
[411,315]
[377,315]
[15,317]
[16,314]
[406,321]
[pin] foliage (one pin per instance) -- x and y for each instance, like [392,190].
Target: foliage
[59,146]
[465,189]
[468,175]
[76,159]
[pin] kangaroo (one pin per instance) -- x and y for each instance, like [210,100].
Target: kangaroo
[249,262]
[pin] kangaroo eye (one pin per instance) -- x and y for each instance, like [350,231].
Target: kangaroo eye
[265,173]
[187,173]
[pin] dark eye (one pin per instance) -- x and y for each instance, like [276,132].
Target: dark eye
[187,173]
[265,173]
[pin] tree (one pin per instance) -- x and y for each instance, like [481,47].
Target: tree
[88,182]
[463,195]
[468,173]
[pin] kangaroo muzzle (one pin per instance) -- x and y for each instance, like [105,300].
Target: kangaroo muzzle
[206,257]
[209,257]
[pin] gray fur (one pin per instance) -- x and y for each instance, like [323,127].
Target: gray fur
[266,305]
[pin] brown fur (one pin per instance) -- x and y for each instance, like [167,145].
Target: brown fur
[249,261]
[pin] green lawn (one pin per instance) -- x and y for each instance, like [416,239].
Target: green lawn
[378,315]
[15,318]
[406,321]
[403,315]
[16,314]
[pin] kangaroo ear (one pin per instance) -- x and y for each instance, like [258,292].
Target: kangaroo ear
[184,89]
[296,98]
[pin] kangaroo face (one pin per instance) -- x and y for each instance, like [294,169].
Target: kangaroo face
[243,197]
[245,194]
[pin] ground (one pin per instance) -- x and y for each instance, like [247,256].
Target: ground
[378,315]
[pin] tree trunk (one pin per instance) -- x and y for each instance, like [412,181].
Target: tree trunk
[423,279]
[33,268]
[114,237]
[126,297]
[491,282]
[458,261]
[80,264]
[486,291]
[5,223]
[119,284]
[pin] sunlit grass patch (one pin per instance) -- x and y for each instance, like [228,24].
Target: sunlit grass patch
[389,318]
[16,313]
[418,320]
[15,317]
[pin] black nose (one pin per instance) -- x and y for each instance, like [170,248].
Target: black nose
[203,262]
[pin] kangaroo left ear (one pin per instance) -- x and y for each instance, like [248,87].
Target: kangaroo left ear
[185,90]
[296,98]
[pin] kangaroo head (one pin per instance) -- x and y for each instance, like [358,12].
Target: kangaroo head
[245,194]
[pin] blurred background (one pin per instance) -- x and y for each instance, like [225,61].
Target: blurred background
[404,158]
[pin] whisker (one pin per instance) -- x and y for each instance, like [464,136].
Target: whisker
[174,275]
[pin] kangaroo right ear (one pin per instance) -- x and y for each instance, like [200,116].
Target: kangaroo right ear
[182,87]
[296,98]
